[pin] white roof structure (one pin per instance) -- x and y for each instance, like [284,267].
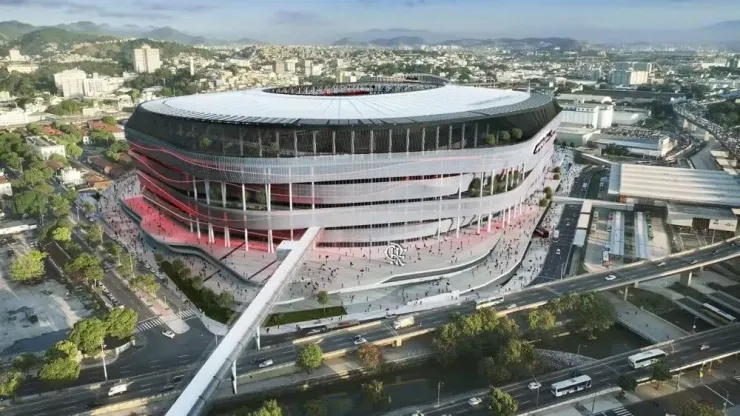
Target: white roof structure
[262,105]
[692,186]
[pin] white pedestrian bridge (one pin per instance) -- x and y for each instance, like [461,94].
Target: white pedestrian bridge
[193,400]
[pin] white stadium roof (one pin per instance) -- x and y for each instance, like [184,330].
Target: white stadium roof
[259,105]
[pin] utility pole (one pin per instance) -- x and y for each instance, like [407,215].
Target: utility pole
[439,387]
[102,351]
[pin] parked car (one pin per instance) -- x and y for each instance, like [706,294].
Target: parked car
[266,363]
[359,340]
[474,401]
[169,334]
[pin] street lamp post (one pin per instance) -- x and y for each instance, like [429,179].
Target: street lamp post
[439,386]
[102,352]
[578,352]
[693,327]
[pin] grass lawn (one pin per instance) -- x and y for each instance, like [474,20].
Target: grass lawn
[301,316]
[650,301]
[203,298]
[689,292]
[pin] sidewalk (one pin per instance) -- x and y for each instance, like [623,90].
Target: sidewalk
[644,323]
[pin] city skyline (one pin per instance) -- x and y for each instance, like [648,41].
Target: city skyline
[323,21]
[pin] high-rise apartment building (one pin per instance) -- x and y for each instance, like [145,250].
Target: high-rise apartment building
[631,73]
[279,67]
[307,66]
[290,65]
[317,70]
[71,82]
[146,59]
[339,63]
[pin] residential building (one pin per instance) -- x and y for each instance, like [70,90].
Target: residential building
[14,55]
[279,67]
[71,82]
[339,63]
[70,176]
[317,70]
[146,59]
[628,78]
[22,67]
[44,149]
[290,65]
[5,187]
[16,116]
[307,66]
[116,130]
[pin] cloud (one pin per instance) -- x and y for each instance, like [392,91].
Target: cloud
[158,9]
[288,17]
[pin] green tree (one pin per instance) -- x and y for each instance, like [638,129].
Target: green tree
[88,335]
[548,192]
[516,134]
[504,135]
[114,250]
[63,349]
[544,202]
[315,407]
[627,382]
[89,207]
[60,370]
[9,381]
[694,408]
[204,143]
[661,372]
[120,323]
[310,357]
[541,321]
[474,187]
[81,265]
[491,139]
[61,234]
[145,283]
[323,299]
[60,207]
[371,356]
[95,233]
[31,202]
[73,150]
[111,121]
[269,408]
[26,362]
[374,395]
[28,267]
[501,403]
[225,299]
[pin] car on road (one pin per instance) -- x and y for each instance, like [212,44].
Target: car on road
[169,334]
[474,401]
[511,306]
[168,387]
[694,261]
[417,413]
[611,277]
[359,340]
[715,251]
[534,385]
[177,379]
[557,252]
[661,264]
[703,347]
[265,363]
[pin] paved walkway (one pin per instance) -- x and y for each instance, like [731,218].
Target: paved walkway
[645,323]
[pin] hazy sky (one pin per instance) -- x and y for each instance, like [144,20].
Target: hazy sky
[317,20]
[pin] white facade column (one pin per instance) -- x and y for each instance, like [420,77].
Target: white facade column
[506,180]
[195,196]
[490,213]
[268,194]
[439,211]
[313,137]
[423,139]
[244,209]
[227,237]
[334,142]
[436,140]
[352,142]
[390,141]
[408,134]
[290,203]
[480,196]
[459,206]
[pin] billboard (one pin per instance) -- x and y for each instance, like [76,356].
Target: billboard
[723,225]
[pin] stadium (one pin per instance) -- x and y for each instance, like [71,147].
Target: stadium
[370,162]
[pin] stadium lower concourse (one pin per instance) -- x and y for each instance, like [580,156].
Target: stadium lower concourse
[370,162]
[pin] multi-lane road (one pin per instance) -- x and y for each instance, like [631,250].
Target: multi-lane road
[603,373]
[151,380]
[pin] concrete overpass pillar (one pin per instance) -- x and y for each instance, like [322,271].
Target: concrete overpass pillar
[257,338]
[626,290]
[233,376]
[686,278]
[397,342]
[636,285]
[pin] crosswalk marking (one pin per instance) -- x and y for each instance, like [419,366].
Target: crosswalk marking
[621,411]
[153,323]
[737,378]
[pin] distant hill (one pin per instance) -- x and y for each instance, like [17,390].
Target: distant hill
[390,42]
[531,43]
[13,29]
[122,51]
[37,42]
[168,34]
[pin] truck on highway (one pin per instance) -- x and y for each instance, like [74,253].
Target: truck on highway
[403,322]
[117,389]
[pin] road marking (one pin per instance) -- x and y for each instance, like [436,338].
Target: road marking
[719,395]
[183,356]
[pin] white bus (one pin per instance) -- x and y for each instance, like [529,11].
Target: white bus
[718,313]
[555,235]
[646,358]
[492,301]
[561,388]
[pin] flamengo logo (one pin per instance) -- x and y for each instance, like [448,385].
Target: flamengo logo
[396,254]
[542,142]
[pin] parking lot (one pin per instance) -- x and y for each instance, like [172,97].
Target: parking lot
[50,302]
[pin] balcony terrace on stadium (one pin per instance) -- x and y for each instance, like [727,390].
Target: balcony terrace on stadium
[370,162]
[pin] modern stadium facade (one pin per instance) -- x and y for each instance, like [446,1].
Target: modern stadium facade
[370,162]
